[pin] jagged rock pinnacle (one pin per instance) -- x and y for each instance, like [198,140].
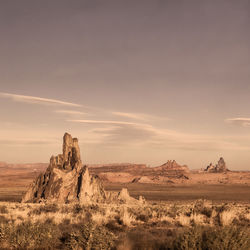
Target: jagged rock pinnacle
[71,152]
[219,168]
[67,180]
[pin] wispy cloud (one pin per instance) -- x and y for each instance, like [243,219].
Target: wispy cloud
[70,112]
[26,142]
[139,134]
[103,122]
[138,116]
[242,121]
[38,100]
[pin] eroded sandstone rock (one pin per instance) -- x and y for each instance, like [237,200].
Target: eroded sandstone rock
[66,180]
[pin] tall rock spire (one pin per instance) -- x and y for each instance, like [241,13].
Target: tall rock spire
[66,180]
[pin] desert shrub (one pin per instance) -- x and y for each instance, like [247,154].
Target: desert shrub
[65,209]
[173,211]
[102,239]
[242,221]
[210,238]
[189,239]
[227,217]
[3,209]
[86,236]
[230,237]
[126,218]
[75,235]
[3,219]
[30,236]
[207,211]
[48,235]
[47,208]
[142,217]
[77,208]
[115,226]
[140,239]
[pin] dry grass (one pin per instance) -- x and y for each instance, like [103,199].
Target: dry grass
[159,226]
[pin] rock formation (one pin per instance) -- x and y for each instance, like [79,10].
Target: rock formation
[67,180]
[172,166]
[210,168]
[219,168]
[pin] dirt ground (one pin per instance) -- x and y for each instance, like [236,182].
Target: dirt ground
[164,193]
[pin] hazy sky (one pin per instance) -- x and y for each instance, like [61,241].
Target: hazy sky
[136,81]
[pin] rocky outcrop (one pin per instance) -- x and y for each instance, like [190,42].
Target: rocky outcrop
[219,168]
[169,172]
[66,180]
[124,197]
[172,166]
[210,167]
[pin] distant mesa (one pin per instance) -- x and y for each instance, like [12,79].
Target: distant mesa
[168,173]
[66,180]
[219,168]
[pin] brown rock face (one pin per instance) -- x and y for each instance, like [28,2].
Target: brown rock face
[219,168]
[65,179]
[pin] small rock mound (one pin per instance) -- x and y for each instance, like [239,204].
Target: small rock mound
[124,197]
[67,180]
[219,168]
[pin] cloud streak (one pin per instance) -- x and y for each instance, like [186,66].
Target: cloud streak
[242,121]
[104,122]
[138,116]
[70,112]
[138,134]
[37,100]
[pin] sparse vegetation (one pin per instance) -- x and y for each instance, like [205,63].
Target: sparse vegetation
[197,225]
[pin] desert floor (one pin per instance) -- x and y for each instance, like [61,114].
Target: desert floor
[159,193]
